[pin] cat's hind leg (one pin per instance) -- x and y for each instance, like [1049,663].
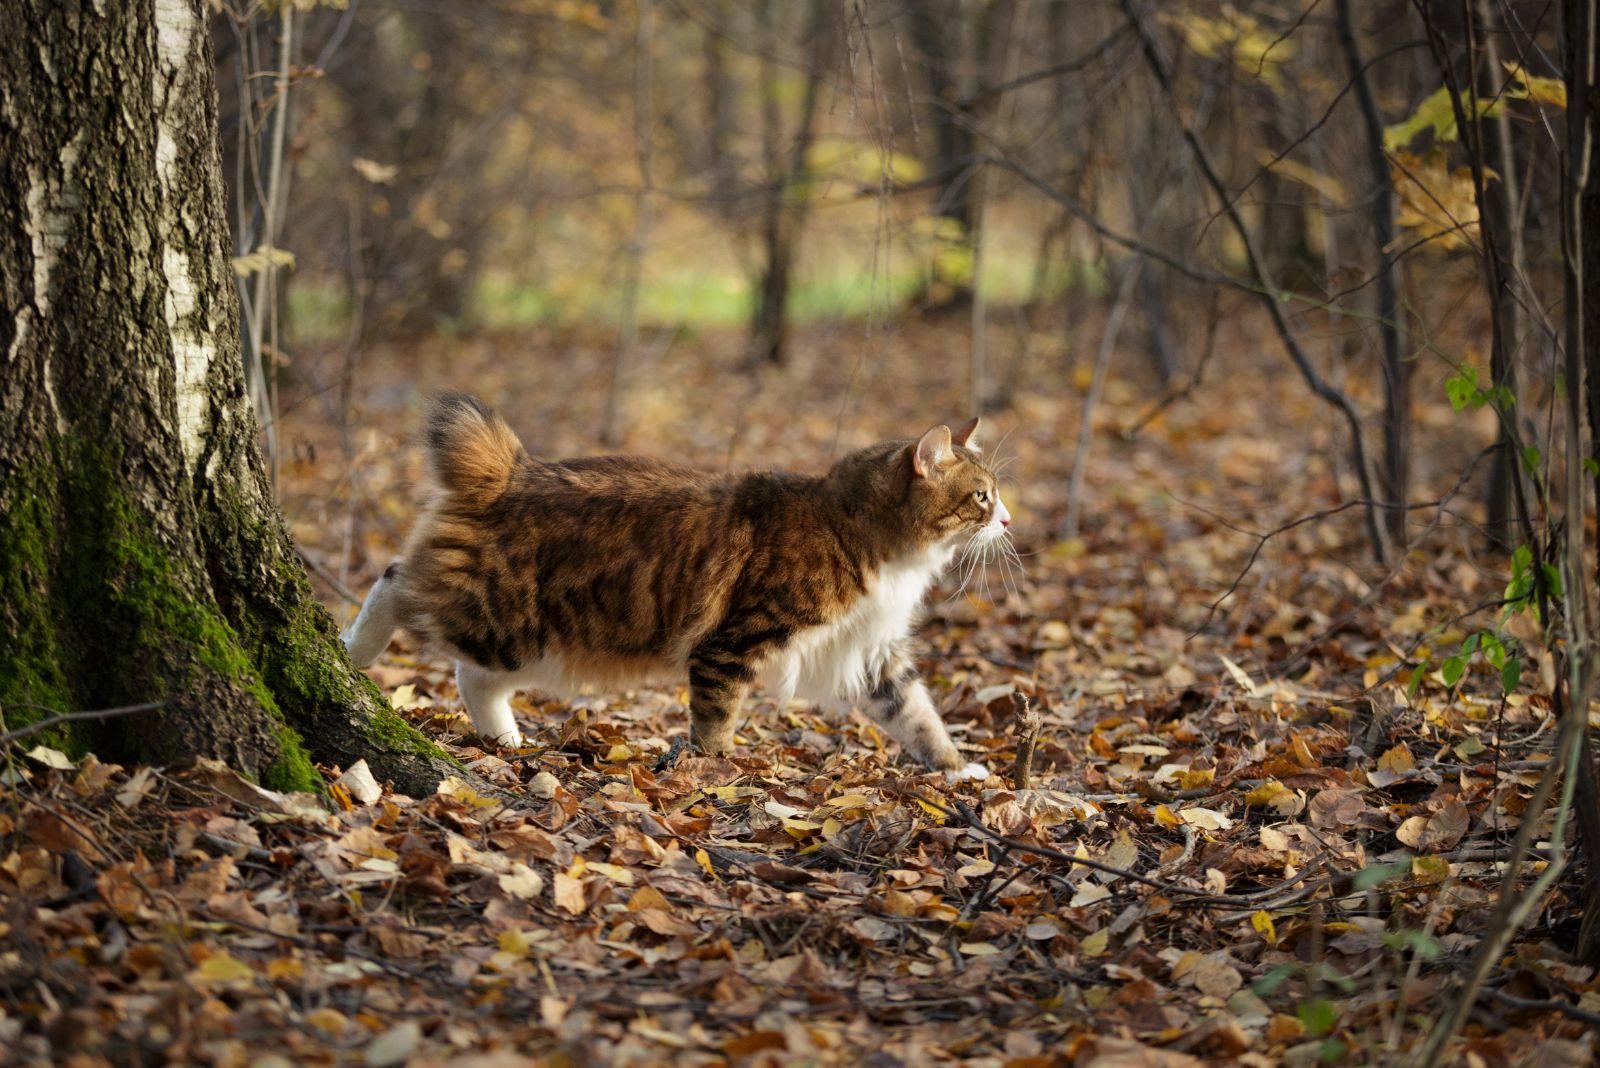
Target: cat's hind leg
[900,704]
[487,695]
[369,633]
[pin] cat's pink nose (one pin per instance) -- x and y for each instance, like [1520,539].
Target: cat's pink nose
[1005,521]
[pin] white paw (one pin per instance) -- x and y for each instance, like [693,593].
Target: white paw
[976,772]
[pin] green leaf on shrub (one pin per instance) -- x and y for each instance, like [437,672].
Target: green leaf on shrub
[1511,674]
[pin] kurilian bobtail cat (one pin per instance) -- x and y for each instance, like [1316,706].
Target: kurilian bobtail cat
[618,569]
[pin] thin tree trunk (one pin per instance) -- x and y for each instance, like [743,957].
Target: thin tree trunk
[720,94]
[644,142]
[1508,518]
[1102,361]
[1503,235]
[1582,257]
[1396,371]
[978,387]
[141,555]
[1268,291]
[786,212]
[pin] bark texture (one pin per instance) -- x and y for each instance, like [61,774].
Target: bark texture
[141,555]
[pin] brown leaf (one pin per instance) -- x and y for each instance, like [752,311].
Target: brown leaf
[1334,809]
[569,894]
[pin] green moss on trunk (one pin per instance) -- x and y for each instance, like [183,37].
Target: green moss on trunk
[101,607]
[293,640]
[33,675]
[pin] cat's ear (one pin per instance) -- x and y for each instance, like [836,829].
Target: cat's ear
[931,451]
[963,435]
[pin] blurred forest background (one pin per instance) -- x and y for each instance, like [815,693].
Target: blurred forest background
[1281,318]
[1037,197]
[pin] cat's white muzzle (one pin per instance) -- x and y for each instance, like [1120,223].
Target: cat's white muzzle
[996,527]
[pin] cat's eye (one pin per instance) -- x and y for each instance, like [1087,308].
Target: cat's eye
[982,496]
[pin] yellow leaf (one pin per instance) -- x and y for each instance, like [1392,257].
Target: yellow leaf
[1186,963]
[1398,760]
[1435,201]
[50,758]
[1054,633]
[1088,894]
[569,894]
[1264,794]
[899,903]
[1262,922]
[265,257]
[405,698]
[1331,189]
[648,897]
[979,949]
[1430,870]
[1435,113]
[1165,817]
[454,786]
[515,943]
[702,858]
[616,874]
[1255,50]
[1095,945]
[330,1021]
[285,968]
[521,882]
[222,970]
[1207,819]
[1551,91]
[1240,676]
[376,173]
[938,816]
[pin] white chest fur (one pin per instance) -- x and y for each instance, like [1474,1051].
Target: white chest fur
[841,659]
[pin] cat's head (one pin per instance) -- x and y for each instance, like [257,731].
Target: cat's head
[954,495]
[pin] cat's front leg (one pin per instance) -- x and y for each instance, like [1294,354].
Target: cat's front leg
[720,670]
[900,704]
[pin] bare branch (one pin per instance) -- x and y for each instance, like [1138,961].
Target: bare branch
[72,717]
[1265,287]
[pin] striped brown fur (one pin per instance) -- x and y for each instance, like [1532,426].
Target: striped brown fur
[616,569]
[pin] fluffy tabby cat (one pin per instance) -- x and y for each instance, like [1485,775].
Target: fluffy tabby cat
[618,569]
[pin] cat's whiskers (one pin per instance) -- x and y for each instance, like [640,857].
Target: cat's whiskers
[1009,560]
[967,560]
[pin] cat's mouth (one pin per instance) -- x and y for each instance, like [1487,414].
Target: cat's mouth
[989,544]
[996,527]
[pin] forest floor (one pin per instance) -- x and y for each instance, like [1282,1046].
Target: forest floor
[1289,852]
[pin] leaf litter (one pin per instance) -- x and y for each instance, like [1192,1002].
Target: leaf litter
[1249,842]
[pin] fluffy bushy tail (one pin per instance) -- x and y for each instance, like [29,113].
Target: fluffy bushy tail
[471,451]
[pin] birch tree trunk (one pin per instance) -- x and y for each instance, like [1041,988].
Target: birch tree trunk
[141,555]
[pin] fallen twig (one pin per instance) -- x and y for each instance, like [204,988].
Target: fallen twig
[72,717]
[1028,725]
[1544,1005]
